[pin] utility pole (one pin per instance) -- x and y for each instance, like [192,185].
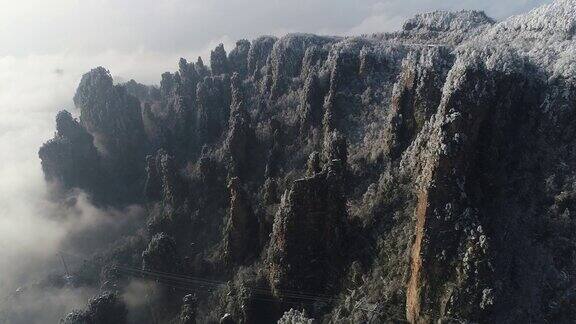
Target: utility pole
[67,276]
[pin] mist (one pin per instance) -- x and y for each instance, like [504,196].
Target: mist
[33,227]
[45,51]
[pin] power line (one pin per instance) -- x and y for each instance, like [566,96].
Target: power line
[216,283]
[193,284]
[203,282]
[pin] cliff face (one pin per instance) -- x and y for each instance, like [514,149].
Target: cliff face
[424,175]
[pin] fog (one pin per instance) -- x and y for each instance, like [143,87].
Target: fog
[46,48]
[33,229]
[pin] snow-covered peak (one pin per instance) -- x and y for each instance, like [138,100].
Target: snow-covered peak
[444,21]
[544,36]
[557,17]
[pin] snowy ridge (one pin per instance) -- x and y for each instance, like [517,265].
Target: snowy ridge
[443,21]
[540,41]
[557,17]
[544,36]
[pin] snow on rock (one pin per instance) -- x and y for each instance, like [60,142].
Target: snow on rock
[544,36]
[443,21]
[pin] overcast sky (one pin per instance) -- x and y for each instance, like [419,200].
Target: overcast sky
[171,28]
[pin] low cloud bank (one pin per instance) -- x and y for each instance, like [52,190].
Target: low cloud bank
[34,228]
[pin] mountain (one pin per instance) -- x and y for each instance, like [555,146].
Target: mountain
[425,175]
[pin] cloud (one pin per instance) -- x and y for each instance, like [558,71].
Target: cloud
[175,26]
[31,93]
[138,296]
[24,123]
[45,305]
[32,227]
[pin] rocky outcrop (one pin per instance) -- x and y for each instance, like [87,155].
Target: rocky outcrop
[238,58]
[241,231]
[240,135]
[162,179]
[161,255]
[106,308]
[167,194]
[485,96]
[170,120]
[219,61]
[428,173]
[112,115]
[441,21]
[213,95]
[308,234]
[270,192]
[71,159]
[445,208]
[258,55]
[142,92]
[313,165]
[311,106]
[295,317]
[189,309]
[286,57]
[416,95]
[103,152]
[443,28]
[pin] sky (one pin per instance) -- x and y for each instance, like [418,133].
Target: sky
[47,45]
[144,37]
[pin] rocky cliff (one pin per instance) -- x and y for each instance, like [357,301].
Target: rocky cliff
[426,175]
